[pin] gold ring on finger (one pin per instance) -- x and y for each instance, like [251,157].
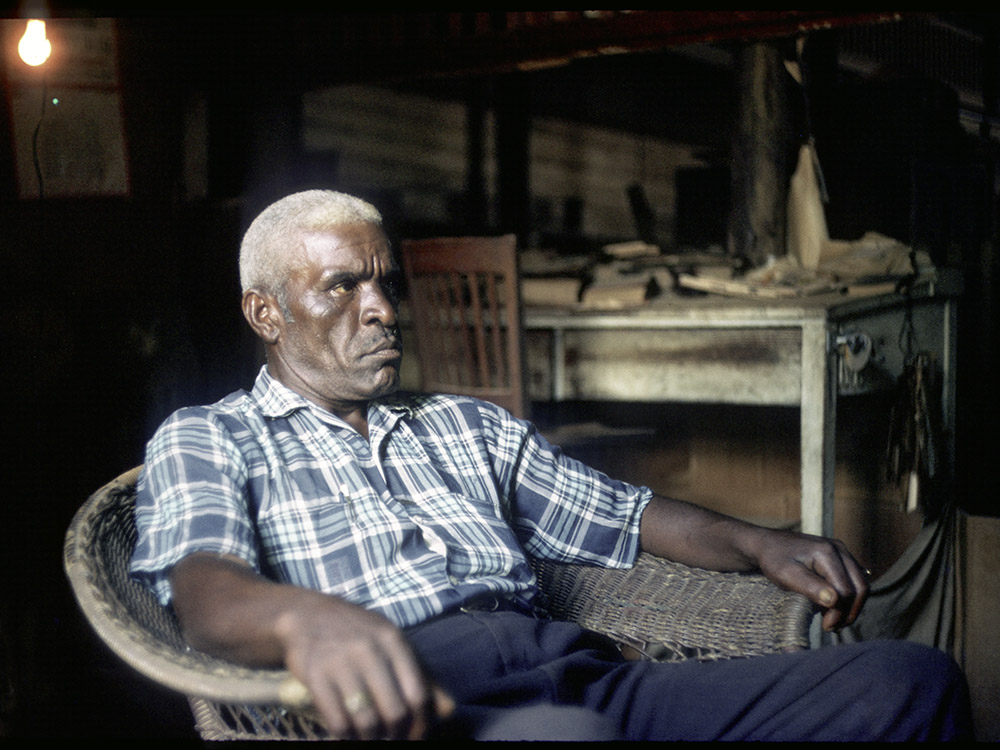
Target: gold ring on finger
[357,702]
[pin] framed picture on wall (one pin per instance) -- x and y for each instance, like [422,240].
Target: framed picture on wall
[66,119]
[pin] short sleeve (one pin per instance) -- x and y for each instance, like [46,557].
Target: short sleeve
[561,508]
[191,497]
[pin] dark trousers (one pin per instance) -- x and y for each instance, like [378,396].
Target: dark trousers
[571,684]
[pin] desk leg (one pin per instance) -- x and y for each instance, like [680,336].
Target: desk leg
[817,429]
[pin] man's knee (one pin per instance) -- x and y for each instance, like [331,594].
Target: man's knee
[547,722]
[905,662]
[926,683]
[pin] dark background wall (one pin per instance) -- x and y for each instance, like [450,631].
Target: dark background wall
[119,309]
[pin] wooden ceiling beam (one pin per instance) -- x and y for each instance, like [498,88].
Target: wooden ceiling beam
[373,46]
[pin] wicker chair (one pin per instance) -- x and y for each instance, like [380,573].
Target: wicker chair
[657,610]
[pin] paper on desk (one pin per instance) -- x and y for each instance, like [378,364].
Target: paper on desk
[634,249]
[617,295]
[553,291]
[849,266]
[765,288]
[873,255]
[614,286]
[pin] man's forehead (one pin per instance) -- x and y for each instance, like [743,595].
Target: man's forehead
[352,239]
[346,235]
[347,248]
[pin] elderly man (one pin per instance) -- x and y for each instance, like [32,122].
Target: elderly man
[325,522]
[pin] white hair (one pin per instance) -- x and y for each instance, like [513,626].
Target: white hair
[264,250]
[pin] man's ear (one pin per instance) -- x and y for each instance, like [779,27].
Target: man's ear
[264,315]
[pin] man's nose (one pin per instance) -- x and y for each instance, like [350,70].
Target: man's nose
[377,306]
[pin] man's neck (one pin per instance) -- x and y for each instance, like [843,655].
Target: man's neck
[352,413]
[357,418]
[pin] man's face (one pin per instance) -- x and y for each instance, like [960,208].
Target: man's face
[342,344]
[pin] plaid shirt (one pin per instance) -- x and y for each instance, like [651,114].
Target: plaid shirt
[439,505]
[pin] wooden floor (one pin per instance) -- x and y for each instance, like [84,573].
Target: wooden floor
[744,462]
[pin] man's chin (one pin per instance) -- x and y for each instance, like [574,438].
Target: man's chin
[388,382]
[387,391]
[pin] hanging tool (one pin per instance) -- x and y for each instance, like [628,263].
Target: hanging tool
[914,433]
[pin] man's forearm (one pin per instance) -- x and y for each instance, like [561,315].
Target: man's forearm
[226,609]
[821,569]
[698,536]
[357,666]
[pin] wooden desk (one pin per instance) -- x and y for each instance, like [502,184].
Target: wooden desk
[715,349]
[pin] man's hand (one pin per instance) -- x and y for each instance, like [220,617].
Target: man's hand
[360,671]
[820,569]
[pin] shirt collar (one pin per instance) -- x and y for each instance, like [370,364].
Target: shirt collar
[277,400]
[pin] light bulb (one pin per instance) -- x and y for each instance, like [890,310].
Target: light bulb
[34,48]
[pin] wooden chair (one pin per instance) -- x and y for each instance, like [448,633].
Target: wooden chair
[467,317]
[466,311]
[657,610]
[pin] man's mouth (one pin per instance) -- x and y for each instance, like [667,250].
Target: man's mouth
[388,345]
[388,350]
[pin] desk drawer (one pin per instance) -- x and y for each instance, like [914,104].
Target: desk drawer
[749,366]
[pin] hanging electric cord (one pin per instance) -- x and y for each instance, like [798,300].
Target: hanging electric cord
[34,143]
[799,71]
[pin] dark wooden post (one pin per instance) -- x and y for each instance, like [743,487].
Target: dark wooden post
[476,217]
[513,134]
[760,160]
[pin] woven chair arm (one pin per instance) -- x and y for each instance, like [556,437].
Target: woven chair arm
[128,618]
[671,612]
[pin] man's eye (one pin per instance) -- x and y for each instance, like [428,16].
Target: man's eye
[342,287]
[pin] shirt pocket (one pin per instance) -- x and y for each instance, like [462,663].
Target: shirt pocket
[477,541]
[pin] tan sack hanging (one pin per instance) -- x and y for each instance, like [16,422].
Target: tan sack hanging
[807,231]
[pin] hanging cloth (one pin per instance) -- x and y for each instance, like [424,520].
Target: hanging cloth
[916,599]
